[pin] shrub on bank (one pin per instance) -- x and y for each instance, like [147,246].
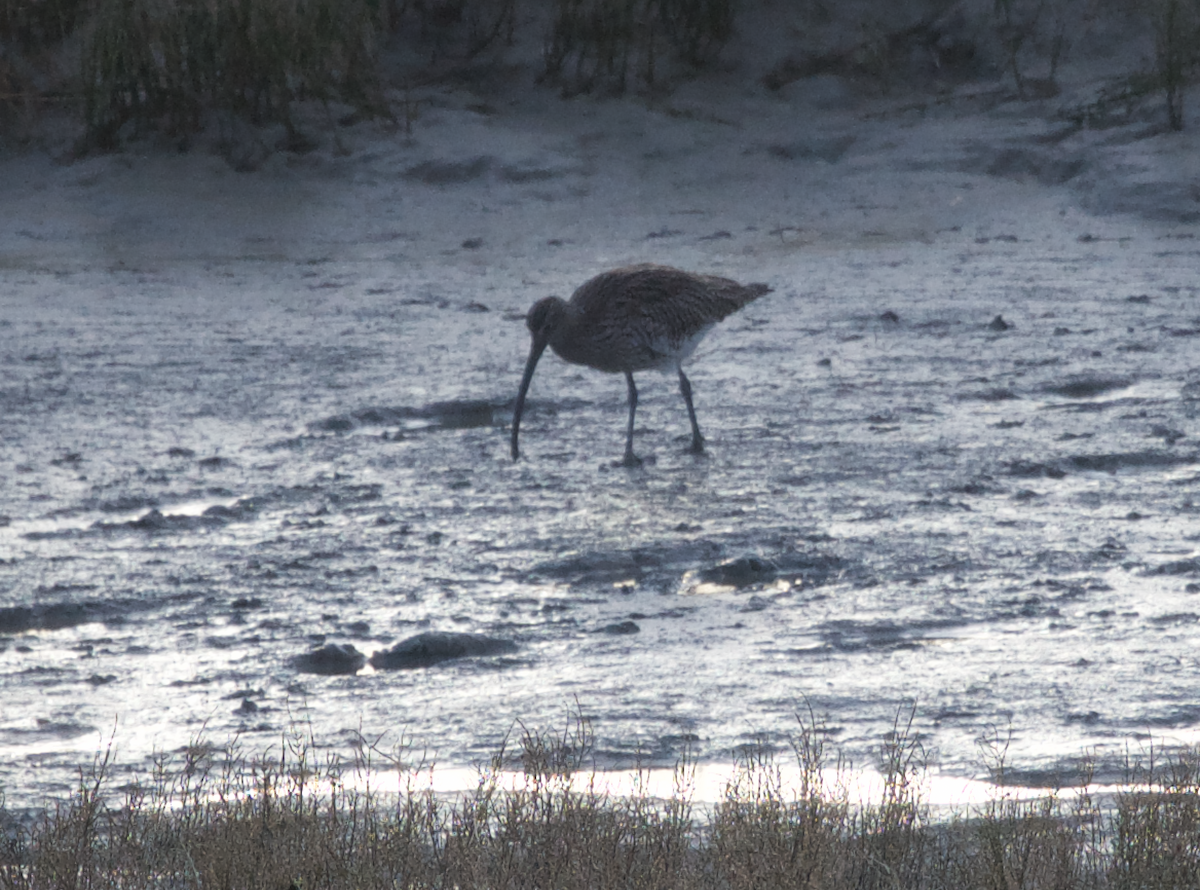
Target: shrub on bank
[173,66]
[217,818]
[166,62]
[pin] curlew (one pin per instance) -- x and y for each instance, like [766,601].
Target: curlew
[636,318]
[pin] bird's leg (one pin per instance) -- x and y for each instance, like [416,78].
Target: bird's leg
[630,459]
[685,387]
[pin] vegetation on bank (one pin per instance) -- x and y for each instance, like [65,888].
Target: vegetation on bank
[126,67]
[218,819]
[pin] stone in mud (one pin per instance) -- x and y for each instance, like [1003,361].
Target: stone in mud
[433,647]
[53,616]
[154,520]
[622,627]
[1178,567]
[16,619]
[740,572]
[330,659]
[1087,386]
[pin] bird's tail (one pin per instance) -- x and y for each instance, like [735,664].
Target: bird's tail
[752,292]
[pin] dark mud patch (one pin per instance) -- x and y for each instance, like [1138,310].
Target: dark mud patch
[1130,460]
[621,628]
[44,728]
[434,647]
[1177,567]
[124,504]
[330,660]
[1087,386]
[995,394]
[850,636]
[977,487]
[811,569]
[1023,164]
[673,567]
[1029,469]
[451,415]
[663,563]
[57,616]
[155,521]
[744,571]
[1170,718]
[881,636]
[449,172]
[1100,463]
[830,150]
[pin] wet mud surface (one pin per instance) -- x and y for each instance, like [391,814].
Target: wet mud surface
[209,477]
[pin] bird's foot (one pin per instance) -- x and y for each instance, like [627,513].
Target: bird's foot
[633,461]
[697,447]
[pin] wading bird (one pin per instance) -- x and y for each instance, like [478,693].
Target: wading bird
[636,318]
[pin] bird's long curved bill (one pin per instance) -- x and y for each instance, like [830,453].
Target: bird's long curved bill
[535,353]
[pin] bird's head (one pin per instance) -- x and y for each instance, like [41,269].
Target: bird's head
[543,319]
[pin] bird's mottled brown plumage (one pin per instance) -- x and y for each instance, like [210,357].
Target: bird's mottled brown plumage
[633,319]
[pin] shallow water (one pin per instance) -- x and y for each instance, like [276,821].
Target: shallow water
[209,469]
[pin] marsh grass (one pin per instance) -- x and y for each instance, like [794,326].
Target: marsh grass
[613,45]
[165,63]
[250,68]
[218,818]
[1177,51]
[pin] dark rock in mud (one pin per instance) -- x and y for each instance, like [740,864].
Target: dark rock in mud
[1170,435]
[996,394]
[1024,163]
[621,627]
[452,415]
[16,619]
[845,635]
[330,659]
[998,324]
[156,521]
[750,571]
[432,647]
[449,172]
[663,563]
[1178,567]
[1028,469]
[461,414]
[153,520]
[741,572]
[127,504]
[1135,460]
[975,487]
[830,150]
[61,615]
[53,616]
[1087,386]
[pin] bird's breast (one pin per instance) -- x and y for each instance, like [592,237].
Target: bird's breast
[615,350]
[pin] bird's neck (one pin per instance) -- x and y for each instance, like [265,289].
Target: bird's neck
[569,342]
